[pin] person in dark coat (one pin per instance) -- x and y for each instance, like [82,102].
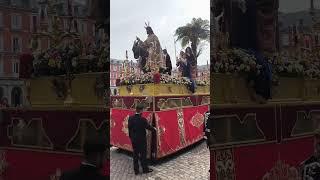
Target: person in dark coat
[183,65]
[137,126]
[168,62]
[94,157]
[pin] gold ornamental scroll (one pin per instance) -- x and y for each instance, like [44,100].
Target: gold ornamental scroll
[233,89]
[53,94]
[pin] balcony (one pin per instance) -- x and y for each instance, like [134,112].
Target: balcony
[16,28]
[9,75]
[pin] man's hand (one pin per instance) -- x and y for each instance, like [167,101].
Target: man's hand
[155,129]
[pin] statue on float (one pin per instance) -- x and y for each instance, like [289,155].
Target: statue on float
[149,52]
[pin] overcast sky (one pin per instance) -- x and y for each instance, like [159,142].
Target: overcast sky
[296,5]
[127,20]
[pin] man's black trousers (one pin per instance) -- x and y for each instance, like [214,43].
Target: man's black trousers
[139,154]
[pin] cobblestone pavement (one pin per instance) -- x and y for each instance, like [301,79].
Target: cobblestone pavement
[191,164]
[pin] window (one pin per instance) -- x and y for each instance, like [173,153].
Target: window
[16,22]
[83,27]
[76,11]
[114,68]
[101,32]
[16,67]
[1,20]
[1,42]
[16,45]
[285,39]
[65,24]
[94,30]
[34,24]
[1,64]
[50,25]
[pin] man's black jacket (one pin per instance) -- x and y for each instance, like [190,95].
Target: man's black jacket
[137,126]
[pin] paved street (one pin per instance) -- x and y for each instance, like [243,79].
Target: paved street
[188,165]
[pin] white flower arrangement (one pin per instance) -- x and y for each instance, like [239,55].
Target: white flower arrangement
[146,78]
[235,61]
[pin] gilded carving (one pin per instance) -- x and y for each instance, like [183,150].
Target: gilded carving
[197,120]
[174,103]
[149,137]
[146,103]
[186,102]
[225,166]
[237,130]
[118,103]
[87,128]
[205,100]
[141,88]
[306,123]
[59,86]
[125,129]
[181,127]
[129,89]
[282,171]
[57,175]
[3,163]
[29,134]
[99,87]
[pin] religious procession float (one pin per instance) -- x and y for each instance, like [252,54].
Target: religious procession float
[65,87]
[265,97]
[170,106]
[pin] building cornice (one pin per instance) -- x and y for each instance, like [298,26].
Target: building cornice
[15,8]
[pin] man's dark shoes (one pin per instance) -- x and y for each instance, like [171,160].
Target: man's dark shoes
[136,172]
[147,171]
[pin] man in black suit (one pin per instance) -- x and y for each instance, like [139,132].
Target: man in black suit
[168,62]
[137,126]
[94,157]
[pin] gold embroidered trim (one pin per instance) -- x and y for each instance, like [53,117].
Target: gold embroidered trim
[18,133]
[197,120]
[225,167]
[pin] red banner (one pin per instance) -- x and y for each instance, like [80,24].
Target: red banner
[169,137]
[255,160]
[295,151]
[261,161]
[179,128]
[51,124]
[36,165]
[193,123]
[119,134]
[288,130]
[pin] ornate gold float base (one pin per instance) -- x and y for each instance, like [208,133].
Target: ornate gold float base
[160,90]
[230,89]
[86,90]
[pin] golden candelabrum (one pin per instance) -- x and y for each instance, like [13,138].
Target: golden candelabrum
[125,67]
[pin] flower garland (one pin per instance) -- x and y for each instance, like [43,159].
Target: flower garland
[235,61]
[202,83]
[238,61]
[56,60]
[149,77]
